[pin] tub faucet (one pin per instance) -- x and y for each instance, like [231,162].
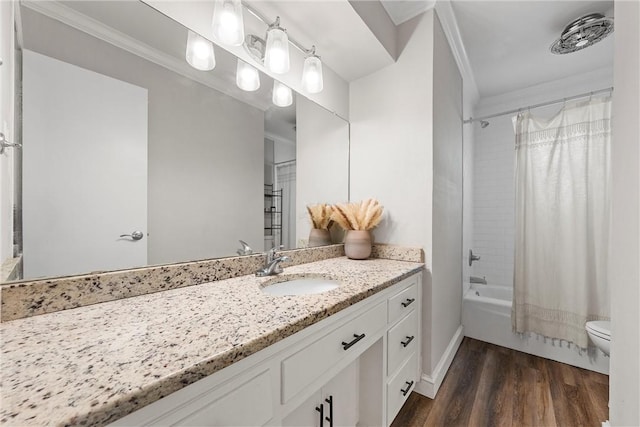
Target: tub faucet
[480,280]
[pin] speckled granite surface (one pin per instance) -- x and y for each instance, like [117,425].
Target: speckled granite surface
[31,298]
[95,364]
[400,253]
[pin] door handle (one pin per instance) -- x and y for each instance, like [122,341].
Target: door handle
[136,235]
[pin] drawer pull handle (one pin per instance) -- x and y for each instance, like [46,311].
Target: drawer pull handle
[406,390]
[347,345]
[330,417]
[408,302]
[408,341]
[321,410]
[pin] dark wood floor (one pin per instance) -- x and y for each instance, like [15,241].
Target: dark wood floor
[488,385]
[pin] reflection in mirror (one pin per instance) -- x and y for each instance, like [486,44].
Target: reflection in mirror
[132,157]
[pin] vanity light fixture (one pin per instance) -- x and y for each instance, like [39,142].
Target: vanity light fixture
[312,72]
[276,56]
[228,24]
[247,77]
[200,52]
[282,96]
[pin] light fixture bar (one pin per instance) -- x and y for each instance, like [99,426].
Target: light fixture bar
[268,23]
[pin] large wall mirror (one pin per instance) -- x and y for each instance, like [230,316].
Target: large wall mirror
[132,157]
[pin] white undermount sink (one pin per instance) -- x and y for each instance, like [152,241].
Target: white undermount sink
[300,286]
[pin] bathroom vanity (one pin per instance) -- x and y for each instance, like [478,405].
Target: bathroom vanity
[224,353]
[358,365]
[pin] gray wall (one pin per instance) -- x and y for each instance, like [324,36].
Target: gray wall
[206,149]
[447,195]
[406,150]
[624,256]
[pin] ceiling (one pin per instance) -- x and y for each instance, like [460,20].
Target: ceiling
[402,10]
[508,42]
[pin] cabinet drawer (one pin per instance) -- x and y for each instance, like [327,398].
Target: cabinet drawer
[400,386]
[404,301]
[401,341]
[224,407]
[311,362]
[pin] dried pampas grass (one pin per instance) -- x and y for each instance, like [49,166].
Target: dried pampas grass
[365,215]
[320,215]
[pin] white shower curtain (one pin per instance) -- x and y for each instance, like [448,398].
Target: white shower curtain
[562,221]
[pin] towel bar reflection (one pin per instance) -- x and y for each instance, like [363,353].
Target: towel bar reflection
[6,144]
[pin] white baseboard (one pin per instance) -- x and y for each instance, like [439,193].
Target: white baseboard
[429,384]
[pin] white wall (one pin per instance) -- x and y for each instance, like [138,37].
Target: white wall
[322,161]
[494,166]
[7,88]
[624,264]
[392,158]
[205,156]
[446,291]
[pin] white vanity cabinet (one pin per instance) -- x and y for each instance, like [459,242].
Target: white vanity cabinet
[357,366]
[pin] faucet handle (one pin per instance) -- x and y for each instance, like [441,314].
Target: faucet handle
[274,249]
[271,253]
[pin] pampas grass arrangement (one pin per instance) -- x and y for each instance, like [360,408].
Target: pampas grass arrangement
[320,215]
[364,215]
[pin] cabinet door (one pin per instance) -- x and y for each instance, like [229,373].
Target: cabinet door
[343,392]
[337,399]
[306,414]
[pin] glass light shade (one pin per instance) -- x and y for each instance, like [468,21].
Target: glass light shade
[282,95]
[247,77]
[228,24]
[312,74]
[200,52]
[276,57]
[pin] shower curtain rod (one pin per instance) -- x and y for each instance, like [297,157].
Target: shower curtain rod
[542,104]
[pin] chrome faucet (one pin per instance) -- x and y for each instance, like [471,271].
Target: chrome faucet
[480,280]
[246,249]
[272,263]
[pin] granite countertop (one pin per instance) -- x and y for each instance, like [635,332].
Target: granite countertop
[95,364]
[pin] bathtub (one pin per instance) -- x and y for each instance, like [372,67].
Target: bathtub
[486,316]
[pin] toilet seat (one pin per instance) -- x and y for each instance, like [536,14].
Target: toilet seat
[600,328]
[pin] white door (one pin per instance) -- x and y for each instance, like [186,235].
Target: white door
[84,169]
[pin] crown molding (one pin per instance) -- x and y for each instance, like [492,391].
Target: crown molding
[452,32]
[97,29]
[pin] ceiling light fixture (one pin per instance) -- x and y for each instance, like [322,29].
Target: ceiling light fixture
[200,53]
[228,24]
[282,96]
[582,32]
[276,55]
[312,72]
[247,77]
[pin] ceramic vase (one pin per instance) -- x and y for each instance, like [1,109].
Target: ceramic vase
[318,237]
[357,244]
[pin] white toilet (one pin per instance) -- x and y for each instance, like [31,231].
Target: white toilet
[599,332]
